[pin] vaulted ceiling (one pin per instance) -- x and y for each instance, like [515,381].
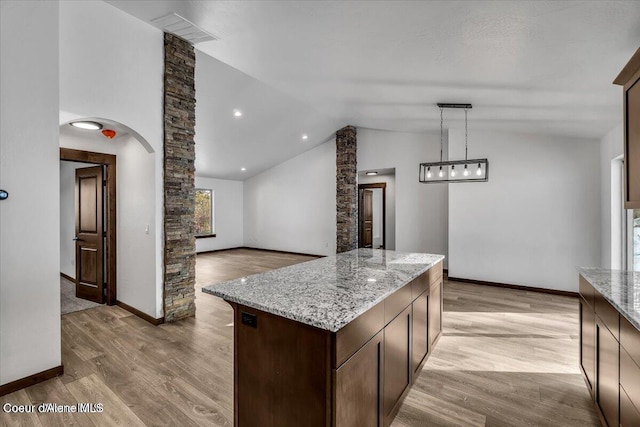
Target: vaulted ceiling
[526,66]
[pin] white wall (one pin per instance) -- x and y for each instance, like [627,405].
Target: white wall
[390,208]
[611,147]
[135,210]
[292,206]
[536,219]
[111,66]
[228,214]
[68,216]
[421,209]
[30,217]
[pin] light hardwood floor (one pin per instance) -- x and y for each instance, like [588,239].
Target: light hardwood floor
[506,358]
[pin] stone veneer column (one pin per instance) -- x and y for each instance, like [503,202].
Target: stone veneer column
[346,190]
[179,168]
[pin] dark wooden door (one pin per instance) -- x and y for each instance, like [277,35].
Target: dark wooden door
[366,219]
[89,234]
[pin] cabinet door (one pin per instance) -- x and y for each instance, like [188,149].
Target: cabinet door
[358,385]
[420,334]
[435,312]
[632,146]
[588,342]
[629,415]
[607,383]
[397,363]
[629,378]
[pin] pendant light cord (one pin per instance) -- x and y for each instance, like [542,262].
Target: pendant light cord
[441,134]
[466,133]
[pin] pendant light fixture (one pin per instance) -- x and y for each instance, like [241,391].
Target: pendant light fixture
[468,170]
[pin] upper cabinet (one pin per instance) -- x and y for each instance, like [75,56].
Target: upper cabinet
[629,78]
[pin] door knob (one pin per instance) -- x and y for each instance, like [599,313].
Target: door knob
[76,239]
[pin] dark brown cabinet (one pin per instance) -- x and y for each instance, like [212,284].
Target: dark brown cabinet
[358,382]
[629,388]
[291,374]
[435,311]
[420,335]
[397,363]
[588,343]
[607,382]
[629,415]
[629,78]
[609,358]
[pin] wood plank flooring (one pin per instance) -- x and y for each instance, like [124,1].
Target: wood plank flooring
[506,358]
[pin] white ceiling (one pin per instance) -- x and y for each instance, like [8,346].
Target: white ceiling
[528,66]
[268,132]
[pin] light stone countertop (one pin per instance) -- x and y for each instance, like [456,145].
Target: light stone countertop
[329,292]
[620,288]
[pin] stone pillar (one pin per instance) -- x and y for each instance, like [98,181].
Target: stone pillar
[346,190]
[179,168]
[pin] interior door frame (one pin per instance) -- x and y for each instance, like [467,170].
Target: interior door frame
[382,185]
[109,161]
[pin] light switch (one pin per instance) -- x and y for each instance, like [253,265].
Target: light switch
[146,229]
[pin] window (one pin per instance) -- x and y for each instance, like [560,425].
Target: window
[204,213]
[634,240]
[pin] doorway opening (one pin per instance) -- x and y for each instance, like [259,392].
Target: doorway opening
[371,215]
[376,209]
[88,229]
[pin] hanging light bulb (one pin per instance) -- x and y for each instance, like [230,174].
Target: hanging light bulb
[453,170]
[466,171]
[479,171]
[441,173]
[429,172]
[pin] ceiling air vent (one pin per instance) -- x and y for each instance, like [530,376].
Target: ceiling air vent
[183,28]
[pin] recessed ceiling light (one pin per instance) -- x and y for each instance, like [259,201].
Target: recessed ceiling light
[372,173]
[237,113]
[305,136]
[86,125]
[243,169]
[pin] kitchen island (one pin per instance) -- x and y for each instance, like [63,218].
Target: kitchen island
[336,341]
[610,342]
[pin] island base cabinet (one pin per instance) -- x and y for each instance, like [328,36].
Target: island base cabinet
[607,383]
[274,353]
[287,373]
[358,383]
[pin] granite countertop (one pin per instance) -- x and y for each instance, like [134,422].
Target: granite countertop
[330,292]
[620,288]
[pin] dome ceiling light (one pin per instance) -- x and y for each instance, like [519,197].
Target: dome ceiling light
[87,125]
